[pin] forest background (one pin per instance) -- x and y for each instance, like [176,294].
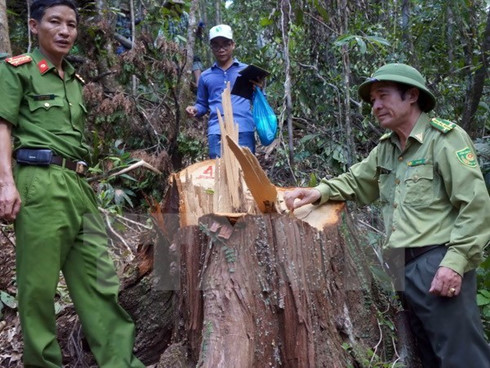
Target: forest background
[318,52]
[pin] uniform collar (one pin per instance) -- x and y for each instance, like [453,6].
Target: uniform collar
[418,131]
[44,65]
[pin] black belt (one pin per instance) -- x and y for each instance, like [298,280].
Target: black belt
[45,157]
[80,167]
[412,253]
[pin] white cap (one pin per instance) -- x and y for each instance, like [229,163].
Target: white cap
[221,30]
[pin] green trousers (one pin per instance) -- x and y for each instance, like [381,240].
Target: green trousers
[60,229]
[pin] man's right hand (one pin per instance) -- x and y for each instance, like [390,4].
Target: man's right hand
[304,196]
[9,195]
[191,111]
[9,201]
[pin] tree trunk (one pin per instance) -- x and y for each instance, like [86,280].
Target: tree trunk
[259,286]
[288,102]
[350,147]
[103,59]
[191,37]
[5,47]
[271,289]
[477,83]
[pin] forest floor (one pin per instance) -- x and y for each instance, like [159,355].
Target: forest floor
[76,353]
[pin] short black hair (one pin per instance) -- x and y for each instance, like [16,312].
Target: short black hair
[38,7]
[421,101]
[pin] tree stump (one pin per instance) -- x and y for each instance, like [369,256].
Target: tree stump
[258,286]
[270,289]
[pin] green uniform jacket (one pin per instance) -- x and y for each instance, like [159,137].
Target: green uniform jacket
[433,192]
[44,112]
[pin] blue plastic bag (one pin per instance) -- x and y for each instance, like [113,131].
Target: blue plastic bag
[264,118]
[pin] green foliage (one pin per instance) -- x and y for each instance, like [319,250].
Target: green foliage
[191,147]
[483,294]
[115,193]
[6,300]
[482,146]
[361,43]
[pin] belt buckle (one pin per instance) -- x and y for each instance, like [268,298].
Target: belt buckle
[81,167]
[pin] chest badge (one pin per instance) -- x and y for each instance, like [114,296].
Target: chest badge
[420,161]
[466,157]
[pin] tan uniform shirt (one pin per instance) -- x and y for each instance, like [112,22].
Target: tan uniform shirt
[432,192]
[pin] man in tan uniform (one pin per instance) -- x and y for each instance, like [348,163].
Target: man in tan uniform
[436,212]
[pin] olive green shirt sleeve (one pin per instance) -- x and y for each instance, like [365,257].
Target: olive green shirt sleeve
[359,183]
[431,193]
[11,94]
[455,160]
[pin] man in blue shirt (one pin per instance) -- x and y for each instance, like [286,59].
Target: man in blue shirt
[211,85]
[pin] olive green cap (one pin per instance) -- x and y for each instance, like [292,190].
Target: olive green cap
[400,73]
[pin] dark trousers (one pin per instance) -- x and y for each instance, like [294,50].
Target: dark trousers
[449,331]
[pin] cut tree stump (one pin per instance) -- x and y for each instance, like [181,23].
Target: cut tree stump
[273,290]
[257,286]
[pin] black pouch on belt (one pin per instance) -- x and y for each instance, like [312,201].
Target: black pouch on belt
[37,157]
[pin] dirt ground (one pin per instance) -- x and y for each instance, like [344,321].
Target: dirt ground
[76,353]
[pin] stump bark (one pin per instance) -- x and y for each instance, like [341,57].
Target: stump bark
[257,286]
[270,289]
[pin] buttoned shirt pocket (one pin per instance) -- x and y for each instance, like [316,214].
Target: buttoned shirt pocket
[386,183]
[419,186]
[48,111]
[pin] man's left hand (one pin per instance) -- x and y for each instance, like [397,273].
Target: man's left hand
[446,282]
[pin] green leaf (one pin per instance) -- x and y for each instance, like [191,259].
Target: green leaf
[482,300]
[265,22]
[361,44]
[8,300]
[378,40]
[313,180]
[308,138]
[58,307]
[342,40]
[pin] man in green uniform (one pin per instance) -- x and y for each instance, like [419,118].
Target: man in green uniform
[436,211]
[57,224]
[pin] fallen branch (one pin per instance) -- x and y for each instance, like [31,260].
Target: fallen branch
[141,163]
[126,245]
[123,219]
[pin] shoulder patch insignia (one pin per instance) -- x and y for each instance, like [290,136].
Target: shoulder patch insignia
[442,125]
[19,60]
[466,157]
[80,78]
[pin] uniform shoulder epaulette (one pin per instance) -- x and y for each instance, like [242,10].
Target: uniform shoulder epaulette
[385,136]
[19,60]
[442,125]
[80,78]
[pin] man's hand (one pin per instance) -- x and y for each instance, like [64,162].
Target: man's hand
[304,196]
[9,201]
[446,282]
[191,111]
[9,196]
